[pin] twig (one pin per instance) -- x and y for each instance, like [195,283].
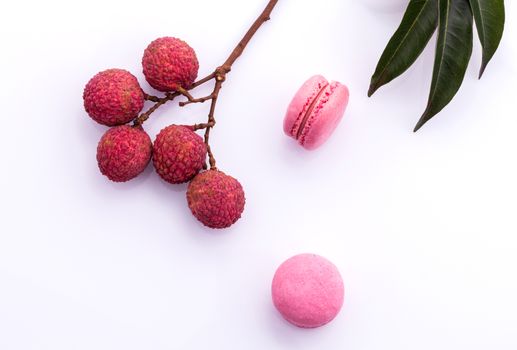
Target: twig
[219,75]
[202,126]
[191,99]
[158,103]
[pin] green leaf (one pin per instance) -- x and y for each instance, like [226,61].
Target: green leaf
[453,51]
[408,42]
[489,15]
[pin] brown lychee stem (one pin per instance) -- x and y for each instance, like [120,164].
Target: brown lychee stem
[211,121]
[158,103]
[219,75]
[220,72]
[202,126]
[202,81]
[239,49]
[191,99]
[151,98]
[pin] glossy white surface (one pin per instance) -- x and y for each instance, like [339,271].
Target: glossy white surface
[422,226]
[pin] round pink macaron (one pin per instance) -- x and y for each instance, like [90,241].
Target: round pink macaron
[308,290]
[315,111]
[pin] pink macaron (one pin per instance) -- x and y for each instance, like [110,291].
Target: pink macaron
[315,111]
[308,290]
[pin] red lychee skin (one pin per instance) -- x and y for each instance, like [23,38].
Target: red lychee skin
[179,154]
[216,199]
[170,63]
[113,97]
[124,152]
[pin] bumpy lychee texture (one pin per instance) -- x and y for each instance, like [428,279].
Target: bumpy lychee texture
[170,63]
[124,152]
[113,97]
[215,199]
[179,154]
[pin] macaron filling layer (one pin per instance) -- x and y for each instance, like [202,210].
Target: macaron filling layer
[314,114]
[302,114]
[309,112]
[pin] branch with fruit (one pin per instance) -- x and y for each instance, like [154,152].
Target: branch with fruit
[114,98]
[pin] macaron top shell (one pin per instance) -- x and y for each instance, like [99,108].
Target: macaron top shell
[308,290]
[315,111]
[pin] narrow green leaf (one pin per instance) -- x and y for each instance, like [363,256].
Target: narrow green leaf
[453,51]
[416,29]
[490,17]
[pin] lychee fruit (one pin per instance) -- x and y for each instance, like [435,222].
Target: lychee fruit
[170,63]
[113,97]
[124,152]
[179,154]
[215,199]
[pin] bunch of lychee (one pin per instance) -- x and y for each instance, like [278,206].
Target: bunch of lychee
[114,98]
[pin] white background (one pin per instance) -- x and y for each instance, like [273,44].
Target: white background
[422,226]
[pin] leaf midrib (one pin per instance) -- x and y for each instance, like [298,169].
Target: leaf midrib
[481,22]
[443,51]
